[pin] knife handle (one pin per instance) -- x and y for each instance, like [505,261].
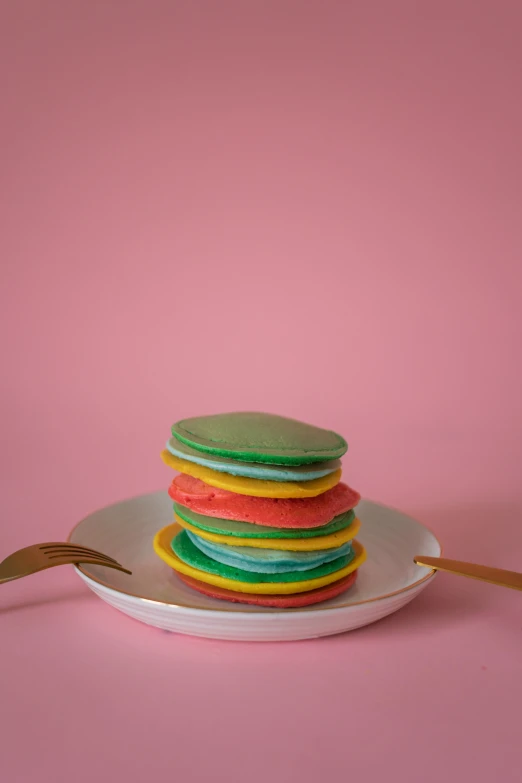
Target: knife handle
[495,576]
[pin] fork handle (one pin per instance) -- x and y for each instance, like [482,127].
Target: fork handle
[495,576]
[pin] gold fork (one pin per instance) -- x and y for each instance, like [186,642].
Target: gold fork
[40,556]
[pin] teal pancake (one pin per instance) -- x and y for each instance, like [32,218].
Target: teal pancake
[192,556]
[230,527]
[254,470]
[267,561]
[260,437]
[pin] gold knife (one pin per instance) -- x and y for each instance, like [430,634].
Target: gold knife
[496,576]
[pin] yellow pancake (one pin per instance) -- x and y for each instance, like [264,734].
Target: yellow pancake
[259,488]
[162,547]
[289,544]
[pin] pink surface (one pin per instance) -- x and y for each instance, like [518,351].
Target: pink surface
[307,208]
[271,512]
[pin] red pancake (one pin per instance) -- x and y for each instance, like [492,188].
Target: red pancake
[279,601]
[271,512]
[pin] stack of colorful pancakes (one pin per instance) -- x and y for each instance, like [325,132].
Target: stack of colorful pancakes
[261,516]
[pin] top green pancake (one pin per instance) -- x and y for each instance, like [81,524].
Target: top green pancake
[260,437]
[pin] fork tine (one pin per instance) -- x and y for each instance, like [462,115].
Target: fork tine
[116,566]
[69,546]
[89,560]
[73,550]
[76,557]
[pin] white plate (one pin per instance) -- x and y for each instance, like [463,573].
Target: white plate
[155,595]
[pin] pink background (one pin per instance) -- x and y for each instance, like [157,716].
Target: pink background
[310,208]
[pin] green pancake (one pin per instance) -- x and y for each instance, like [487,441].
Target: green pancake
[260,437]
[183,547]
[229,527]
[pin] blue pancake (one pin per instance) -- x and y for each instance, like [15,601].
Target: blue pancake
[267,561]
[252,469]
[185,550]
